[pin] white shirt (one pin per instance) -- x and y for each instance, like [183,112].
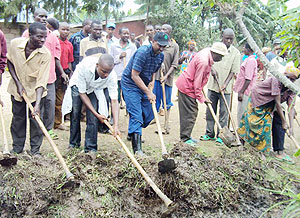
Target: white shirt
[116,50]
[84,78]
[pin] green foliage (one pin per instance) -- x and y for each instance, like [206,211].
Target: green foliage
[186,25]
[62,9]
[293,203]
[152,6]
[290,35]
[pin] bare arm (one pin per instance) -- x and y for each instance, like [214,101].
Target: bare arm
[135,76]
[228,79]
[61,70]
[291,116]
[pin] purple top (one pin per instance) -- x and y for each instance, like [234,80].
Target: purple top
[3,52]
[248,71]
[265,91]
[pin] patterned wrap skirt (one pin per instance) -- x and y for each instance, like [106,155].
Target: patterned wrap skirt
[256,126]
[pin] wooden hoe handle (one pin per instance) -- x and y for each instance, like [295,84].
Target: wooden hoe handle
[212,111]
[163,147]
[69,175]
[5,148]
[162,196]
[228,109]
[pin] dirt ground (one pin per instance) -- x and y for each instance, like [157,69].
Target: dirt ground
[210,180]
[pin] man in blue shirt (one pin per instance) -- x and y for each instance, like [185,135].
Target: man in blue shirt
[77,37]
[137,84]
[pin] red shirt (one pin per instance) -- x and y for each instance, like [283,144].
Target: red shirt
[195,77]
[66,55]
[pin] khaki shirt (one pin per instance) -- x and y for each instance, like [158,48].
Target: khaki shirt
[32,72]
[229,63]
[171,56]
[90,47]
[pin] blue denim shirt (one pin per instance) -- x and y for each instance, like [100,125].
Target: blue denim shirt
[75,40]
[144,61]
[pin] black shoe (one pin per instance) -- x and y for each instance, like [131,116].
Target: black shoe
[136,140]
[129,136]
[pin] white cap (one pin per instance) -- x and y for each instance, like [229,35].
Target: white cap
[219,48]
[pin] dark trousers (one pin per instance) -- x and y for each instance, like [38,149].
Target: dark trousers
[278,133]
[19,124]
[91,122]
[215,97]
[188,111]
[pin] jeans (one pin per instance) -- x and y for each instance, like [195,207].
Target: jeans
[91,122]
[215,97]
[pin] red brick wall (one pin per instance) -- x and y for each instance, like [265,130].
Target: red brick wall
[138,27]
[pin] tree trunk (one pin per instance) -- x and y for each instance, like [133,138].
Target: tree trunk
[65,10]
[148,9]
[27,12]
[283,79]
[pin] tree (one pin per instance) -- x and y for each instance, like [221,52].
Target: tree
[290,35]
[150,6]
[186,24]
[111,7]
[63,10]
[13,7]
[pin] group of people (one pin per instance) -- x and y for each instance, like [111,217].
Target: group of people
[90,73]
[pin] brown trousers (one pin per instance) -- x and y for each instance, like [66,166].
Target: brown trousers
[58,103]
[188,111]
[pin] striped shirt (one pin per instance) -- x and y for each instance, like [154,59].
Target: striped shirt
[144,61]
[91,47]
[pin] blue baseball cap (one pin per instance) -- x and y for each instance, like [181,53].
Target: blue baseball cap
[162,38]
[111,25]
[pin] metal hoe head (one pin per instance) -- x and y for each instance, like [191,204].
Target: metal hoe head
[227,137]
[166,165]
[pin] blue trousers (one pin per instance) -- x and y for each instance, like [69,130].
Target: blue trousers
[159,95]
[139,109]
[91,122]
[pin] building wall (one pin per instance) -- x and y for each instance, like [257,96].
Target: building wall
[138,27]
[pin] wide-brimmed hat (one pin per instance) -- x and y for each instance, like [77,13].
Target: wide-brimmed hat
[162,38]
[219,48]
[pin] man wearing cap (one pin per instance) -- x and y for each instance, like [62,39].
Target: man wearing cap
[224,71]
[190,85]
[137,83]
[171,56]
[111,39]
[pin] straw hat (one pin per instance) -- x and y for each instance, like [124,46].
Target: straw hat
[219,48]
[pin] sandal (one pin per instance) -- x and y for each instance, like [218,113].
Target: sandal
[52,134]
[284,158]
[190,142]
[207,138]
[219,141]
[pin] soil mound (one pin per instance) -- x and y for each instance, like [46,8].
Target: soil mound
[110,186]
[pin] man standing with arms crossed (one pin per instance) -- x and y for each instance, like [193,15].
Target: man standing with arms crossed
[171,56]
[29,64]
[224,71]
[137,82]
